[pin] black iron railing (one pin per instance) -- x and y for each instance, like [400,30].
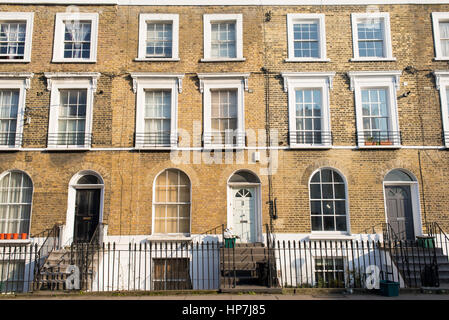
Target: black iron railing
[183,265]
[228,138]
[310,137]
[155,139]
[51,243]
[69,140]
[446,138]
[17,263]
[8,139]
[378,138]
[440,238]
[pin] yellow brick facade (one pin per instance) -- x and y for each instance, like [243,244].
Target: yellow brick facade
[129,174]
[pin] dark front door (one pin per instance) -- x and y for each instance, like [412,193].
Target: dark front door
[399,211]
[87,213]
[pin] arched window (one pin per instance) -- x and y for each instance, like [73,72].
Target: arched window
[398,175]
[328,201]
[243,176]
[171,202]
[16,192]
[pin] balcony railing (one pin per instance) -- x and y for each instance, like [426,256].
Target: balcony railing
[378,138]
[69,140]
[10,139]
[226,139]
[446,138]
[155,139]
[310,137]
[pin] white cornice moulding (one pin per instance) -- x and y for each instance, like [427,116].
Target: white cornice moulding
[223,76]
[223,2]
[374,74]
[329,76]
[93,76]
[26,76]
[136,76]
[439,74]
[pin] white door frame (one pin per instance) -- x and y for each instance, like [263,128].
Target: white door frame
[416,207]
[257,206]
[69,228]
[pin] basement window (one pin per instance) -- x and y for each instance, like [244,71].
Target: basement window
[329,272]
[171,274]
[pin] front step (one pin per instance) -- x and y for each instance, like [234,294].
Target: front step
[418,258]
[251,289]
[242,266]
[53,274]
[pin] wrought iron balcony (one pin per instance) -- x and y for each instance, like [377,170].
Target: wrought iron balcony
[310,138]
[10,139]
[155,139]
[378,138]
[63,140]
[225,139]
[446,138]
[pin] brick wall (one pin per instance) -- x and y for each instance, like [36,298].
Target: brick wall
[129,174]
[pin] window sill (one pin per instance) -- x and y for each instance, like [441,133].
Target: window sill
[331,236]
[155,148]
[222,147]
[310,146]
[15,241]
[68,149]
[223,60]
[14,61]
[306,60]
[166,237]
[394,146]
[73,61]
[3,148]
[156,59]
[441,59]
[372,59]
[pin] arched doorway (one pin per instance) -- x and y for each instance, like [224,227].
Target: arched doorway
[402,204]
[85,206]
[244,206]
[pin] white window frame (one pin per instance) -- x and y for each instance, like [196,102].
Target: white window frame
[323,233]
[308,80]
[293,18]
[207,21]
[388,80]
[28,17]
[154,203]
[58,46]
[438,17]
[68,81]
[236,81]
[385,18]
[158,18]
[21,82]
[163,81]
[442,84]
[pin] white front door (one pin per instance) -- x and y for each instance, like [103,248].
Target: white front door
[244,213]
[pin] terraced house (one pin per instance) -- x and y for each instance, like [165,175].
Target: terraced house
[149,125]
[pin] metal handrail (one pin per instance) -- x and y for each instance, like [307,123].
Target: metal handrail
[46,248]
[97,237]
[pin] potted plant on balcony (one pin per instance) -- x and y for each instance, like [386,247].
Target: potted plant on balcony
[229,238]
[386,142]
[369,141]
